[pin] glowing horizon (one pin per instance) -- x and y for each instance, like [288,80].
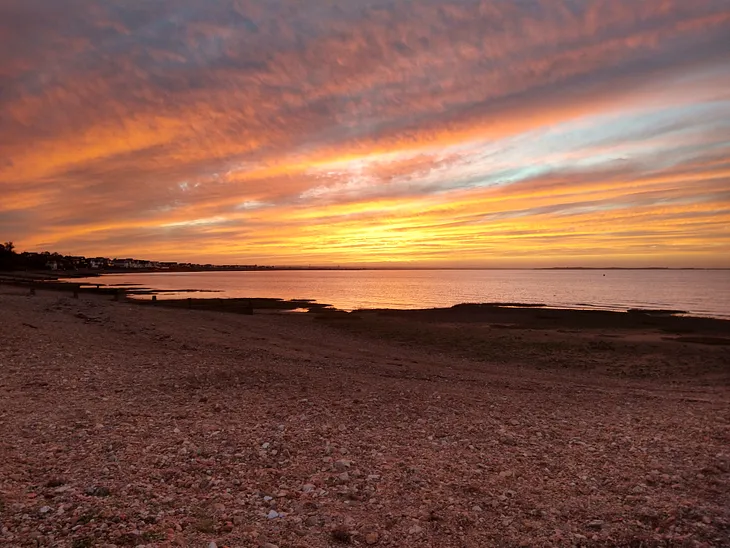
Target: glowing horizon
[471,133]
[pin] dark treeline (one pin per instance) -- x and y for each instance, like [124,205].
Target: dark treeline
[10,259]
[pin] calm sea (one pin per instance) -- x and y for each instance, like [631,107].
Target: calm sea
[700,292]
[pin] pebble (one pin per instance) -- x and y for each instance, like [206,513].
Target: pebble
[212,545]
[273,514]
[342,535]
[45,509]
[372,538]
[415,530]
[342,465]
[97,491]
[313,521]
[595,524]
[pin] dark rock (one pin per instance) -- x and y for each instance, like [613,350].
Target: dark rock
[98,491]
[342,535]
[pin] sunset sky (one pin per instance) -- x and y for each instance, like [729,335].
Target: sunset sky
[422,132]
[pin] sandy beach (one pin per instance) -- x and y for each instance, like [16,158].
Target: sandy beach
[128,425]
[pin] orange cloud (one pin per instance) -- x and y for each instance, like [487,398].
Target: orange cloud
[468,132]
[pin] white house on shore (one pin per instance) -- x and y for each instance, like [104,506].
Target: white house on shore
[132,264]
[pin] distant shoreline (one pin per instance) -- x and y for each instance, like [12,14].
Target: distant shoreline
[88,273]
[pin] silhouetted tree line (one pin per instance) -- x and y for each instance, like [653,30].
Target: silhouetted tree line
[11,260]
[7,255]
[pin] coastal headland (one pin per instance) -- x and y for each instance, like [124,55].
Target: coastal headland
[180,423]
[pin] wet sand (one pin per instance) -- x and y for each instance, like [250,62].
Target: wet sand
[128,425]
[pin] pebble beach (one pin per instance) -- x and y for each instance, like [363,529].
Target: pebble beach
[127,425]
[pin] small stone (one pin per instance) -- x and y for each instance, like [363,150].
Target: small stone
[342,465]
[476,508]
[205,525]
[595,524]
[97,491]
[506,473]
[308,488]
[45,509]
[372,538]
[342,535]
[212,545]
[273,514]
[705,519]
[267,498]
[313,521]
[344,477]
[415,530]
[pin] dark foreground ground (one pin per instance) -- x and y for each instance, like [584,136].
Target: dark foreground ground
[128,425]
